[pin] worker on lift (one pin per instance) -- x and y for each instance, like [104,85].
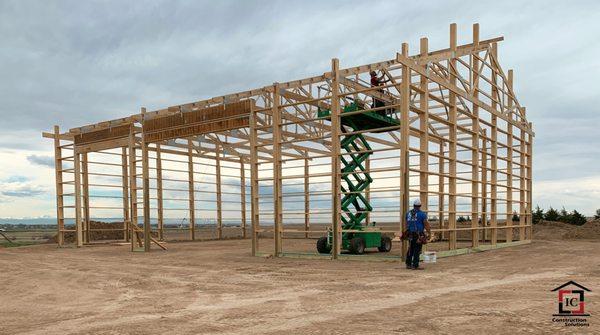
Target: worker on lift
[376,82]
[414,231]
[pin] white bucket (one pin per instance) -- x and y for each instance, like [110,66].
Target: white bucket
[429,257]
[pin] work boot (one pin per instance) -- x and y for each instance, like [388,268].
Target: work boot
[418,268]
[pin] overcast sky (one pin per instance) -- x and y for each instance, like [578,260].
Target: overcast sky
[77,62]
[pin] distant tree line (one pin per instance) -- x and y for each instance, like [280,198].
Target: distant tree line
[574,217]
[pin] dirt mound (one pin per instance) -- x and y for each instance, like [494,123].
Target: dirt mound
[553,230]
[98,231]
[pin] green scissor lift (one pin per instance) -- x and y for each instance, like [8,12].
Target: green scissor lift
[355,181]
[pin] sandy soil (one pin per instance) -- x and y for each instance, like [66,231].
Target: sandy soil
[217,287]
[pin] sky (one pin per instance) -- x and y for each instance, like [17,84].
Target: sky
[72,63]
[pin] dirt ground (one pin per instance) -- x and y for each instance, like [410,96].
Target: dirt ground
[217,287]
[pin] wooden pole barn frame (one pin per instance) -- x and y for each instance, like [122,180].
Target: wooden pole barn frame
[462,145]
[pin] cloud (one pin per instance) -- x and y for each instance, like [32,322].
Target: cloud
[19,187]
[42,160]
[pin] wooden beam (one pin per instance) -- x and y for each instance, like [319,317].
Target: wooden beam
[243,197]
[335,160]
[452,143]
[191,191]
[58,175]
[424,138]
[254,208]
[475,145]
[133,188]
[277,173]
[78,221]
[86,197]
[218,152]
[159,193]
[404,145]
[146,195]
[306,198]
[125,194]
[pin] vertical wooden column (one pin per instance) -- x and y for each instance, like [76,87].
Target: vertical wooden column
[218,187]
[368,190]
[484,183]
[125,189]
[277,172]
[404,144]
[254,208]
[530,183]
[441,184]
[159,194]
[494,159]
[335,159]
[522,184]
[423,127]
[243,196]
[86,197]
[306,197]
[475,145]
[453,139]
[146,194]
[58,175]
[509,165]
[133,201]
[191,192]
[77,176]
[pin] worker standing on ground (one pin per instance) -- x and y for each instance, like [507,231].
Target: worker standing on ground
[416,225]
[376,82]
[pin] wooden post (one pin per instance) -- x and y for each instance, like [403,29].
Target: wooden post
[159,194]
[133,188]
[522,185]
[146,194]
[191,192]
[306,197]
[404,144]
[125,188]
[530,183]
[254,208]
[78,221]
[452,138]
[484,183]
[509,167]
[218,187]
[424,138]
[277,172]
[86,197]
[243,196]
[494,163]
[475,146]
[441,183]
[58,175]
[335,160]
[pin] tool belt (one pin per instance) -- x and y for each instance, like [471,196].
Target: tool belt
[421,237]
